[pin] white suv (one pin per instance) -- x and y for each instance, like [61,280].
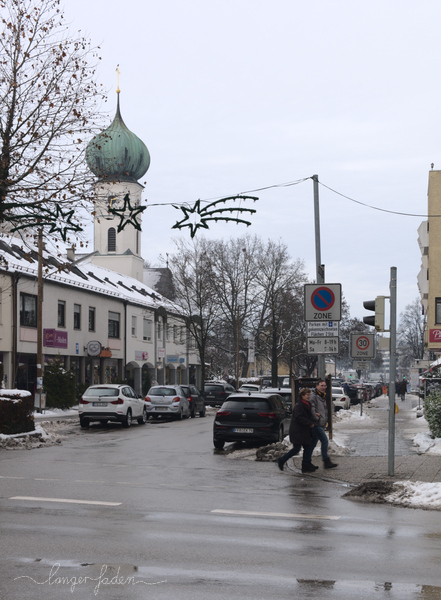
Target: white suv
[111,402]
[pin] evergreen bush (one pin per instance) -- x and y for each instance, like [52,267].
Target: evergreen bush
[432,412]
[60,385]
[16,412]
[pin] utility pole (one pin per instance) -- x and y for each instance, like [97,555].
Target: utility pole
[320,269]
[393,368]
[40,318]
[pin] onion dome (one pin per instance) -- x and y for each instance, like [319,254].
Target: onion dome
[116,153]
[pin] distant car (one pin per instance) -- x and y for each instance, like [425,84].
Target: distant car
[216,392]
[196,400]
[252,417]
[168,401]
[284,393]
[111,402]
[340,399]
[285,382]
[249,387]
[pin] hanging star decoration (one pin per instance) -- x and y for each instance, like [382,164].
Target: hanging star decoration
[127,214]
[196,217]
[45,217]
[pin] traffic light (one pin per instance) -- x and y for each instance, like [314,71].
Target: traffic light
[376,305]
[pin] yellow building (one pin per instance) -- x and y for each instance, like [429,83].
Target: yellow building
[429,278]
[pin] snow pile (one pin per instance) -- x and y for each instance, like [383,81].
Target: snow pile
[427,444]
[353,414]
[415,494]
[51,434]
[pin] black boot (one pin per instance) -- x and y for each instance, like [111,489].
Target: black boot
[308,468]
[329,464]
[280,464]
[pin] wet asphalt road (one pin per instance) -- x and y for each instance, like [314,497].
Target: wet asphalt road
[154,512]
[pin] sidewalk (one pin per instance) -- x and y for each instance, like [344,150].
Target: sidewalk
[364,456]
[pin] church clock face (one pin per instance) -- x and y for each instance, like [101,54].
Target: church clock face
[112,200]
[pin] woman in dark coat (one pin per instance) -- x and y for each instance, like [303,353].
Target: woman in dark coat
[300,433]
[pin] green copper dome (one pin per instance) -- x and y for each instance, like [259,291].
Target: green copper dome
[117,154]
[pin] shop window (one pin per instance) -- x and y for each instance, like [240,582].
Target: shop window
[438,311]
[133,326]
[28,310]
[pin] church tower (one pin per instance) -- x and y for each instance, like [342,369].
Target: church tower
[118,158]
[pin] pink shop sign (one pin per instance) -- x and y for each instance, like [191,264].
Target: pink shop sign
[53,338]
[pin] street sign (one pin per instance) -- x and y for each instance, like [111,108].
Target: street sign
[322,328]
[322,302]
[362,345]
[322,345]
[362,365]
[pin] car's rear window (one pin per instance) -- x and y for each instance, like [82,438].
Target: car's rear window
[214,388]
[162,391]
[101,392]
[247,404]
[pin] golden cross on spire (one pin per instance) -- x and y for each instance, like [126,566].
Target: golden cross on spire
[117,86]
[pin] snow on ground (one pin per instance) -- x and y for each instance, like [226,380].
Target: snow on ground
[416,494]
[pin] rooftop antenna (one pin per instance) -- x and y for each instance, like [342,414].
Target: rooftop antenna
[117,75]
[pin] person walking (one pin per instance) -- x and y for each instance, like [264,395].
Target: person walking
[319,412]
[300,433]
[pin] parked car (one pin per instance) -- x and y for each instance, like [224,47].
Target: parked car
[255,417]
[196,400]
[216,392]
[167,400]
[111,402]
[249,387]
[340,399]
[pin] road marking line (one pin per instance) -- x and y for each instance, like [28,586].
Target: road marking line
[95,502]
[41,479]
[271,514]
[10,477]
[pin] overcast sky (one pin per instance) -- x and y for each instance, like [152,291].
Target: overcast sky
[234,95]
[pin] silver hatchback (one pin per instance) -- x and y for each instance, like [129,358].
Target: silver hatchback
[167,400]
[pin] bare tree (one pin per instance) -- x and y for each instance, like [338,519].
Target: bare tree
[193,278]
[411,333]
[48,110]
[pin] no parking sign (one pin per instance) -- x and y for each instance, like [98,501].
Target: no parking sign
[322,302]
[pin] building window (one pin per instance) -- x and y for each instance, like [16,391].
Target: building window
[61,313]
[28,310]
[113,324]
[77,316]
[159,330]
[133,326]
[438,311]
[175,333]
[111,239]
[168,332]
[147,330]
[91,318]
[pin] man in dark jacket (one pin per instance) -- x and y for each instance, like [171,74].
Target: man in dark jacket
[300,432]
[319,412]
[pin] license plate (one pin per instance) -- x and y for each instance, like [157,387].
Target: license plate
[242,430]
[99,403]
[161,408]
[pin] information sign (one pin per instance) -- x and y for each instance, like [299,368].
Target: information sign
[322,345]
[324,328]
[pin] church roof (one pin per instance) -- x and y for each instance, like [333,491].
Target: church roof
[117,154]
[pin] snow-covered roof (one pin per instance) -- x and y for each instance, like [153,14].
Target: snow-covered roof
[86,275]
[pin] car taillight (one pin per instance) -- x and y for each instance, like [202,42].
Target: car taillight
[119,401]
[223,413]
[190,398]
[176,399]
[82,401]
[147,399]
[269,415]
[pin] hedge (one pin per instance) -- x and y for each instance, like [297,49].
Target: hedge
[16,412]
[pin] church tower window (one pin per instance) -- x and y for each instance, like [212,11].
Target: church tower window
[111,239]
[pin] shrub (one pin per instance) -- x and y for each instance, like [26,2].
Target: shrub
[60,385]
[16,412]
[432,412]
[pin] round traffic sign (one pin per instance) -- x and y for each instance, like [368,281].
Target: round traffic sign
[322,298]
[362,342]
